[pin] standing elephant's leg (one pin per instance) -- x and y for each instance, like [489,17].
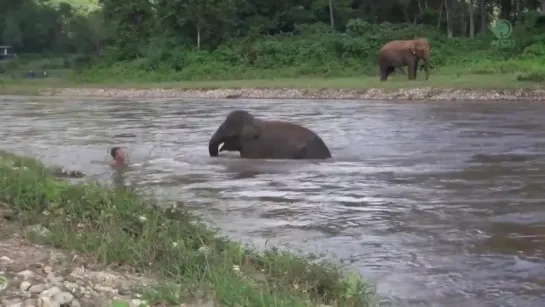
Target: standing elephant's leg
[388,71]
[411,65]
[383,72]
[385,68]
[415,70]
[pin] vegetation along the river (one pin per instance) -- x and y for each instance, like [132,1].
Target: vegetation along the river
[119,226]
[203,43]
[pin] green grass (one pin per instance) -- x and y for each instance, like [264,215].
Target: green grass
[120,304]
[474,82]
[441,81]
[481,75]
[120,226]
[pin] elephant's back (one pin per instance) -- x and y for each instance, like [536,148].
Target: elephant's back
[288,128]
[395,44]
[317,148]
[311,144]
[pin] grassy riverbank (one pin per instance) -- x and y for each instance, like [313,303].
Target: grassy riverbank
[120,227]
[454,81]
[441,87]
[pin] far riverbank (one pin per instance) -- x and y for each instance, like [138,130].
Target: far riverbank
[287,93]
[440,87]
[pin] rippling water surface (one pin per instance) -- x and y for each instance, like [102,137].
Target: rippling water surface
[439,204]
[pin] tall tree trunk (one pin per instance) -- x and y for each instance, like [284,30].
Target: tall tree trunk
[406,13]
[471,18]
[198,35]
[331,18]
[506,10]
[542,6]
[484,16]
[518,12]
[441,15]
[448,11]
[461,9]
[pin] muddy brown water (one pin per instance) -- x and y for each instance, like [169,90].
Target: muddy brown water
[438,204]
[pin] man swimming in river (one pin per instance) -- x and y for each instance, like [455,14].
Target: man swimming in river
[118,157]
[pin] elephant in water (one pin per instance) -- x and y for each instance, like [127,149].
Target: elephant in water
[256,138]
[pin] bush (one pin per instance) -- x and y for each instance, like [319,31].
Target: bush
[534,75]
[121,226]
[316,50]
[80,62]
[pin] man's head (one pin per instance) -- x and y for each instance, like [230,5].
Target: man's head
[117,154]
[113,151]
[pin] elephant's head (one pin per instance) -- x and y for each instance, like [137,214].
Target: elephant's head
[421,48]
[238,127]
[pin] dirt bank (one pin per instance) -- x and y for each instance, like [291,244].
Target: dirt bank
[286,93]
[37,275]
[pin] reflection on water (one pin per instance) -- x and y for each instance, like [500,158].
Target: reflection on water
[438,204]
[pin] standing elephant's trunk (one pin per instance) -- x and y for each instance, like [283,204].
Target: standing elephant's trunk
[427,67]
[214,143]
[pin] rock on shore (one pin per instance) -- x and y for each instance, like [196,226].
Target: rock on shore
[426,93]
[39,276]
[33,275]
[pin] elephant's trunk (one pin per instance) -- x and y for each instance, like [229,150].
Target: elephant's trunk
[427,67]
[214,143]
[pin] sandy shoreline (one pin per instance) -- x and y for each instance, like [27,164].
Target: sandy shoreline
[288,93]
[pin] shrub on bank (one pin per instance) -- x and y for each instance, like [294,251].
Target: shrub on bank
[120,226]
[533,75]
[316,50]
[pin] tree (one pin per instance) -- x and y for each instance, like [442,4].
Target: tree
[131,23]
[12,34]
[471,18]
[201,19]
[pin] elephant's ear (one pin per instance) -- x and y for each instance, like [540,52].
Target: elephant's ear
[250,132]
[413,47]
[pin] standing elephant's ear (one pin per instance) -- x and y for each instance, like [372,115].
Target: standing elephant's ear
[249,131]
[413,47]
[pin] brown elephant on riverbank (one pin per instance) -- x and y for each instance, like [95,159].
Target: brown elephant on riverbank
[399,53]
[256,138]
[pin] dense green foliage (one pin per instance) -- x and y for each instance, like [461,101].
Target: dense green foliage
[119,226]
[164,40]
[41,27]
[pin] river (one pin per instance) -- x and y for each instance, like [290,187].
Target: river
[437,203]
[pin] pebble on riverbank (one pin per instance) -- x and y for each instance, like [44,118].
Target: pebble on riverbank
[426,93]
[39,276]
